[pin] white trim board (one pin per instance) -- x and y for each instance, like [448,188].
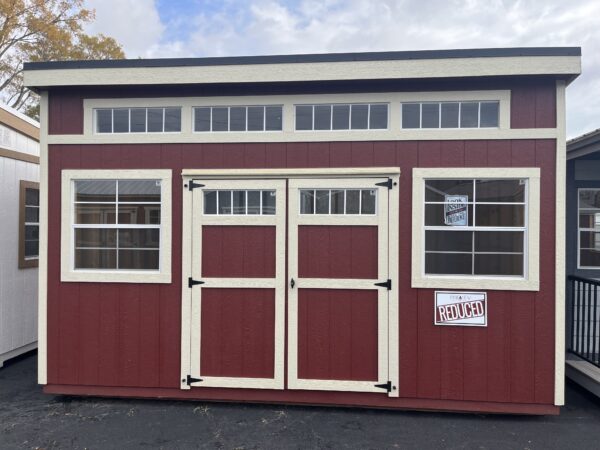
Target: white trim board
[43,249]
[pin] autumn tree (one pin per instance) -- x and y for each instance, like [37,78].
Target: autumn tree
[44,30]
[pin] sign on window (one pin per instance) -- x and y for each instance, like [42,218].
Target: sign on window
[455,210]
[461,308]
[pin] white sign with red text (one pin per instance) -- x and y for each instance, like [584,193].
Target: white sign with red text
[461,308]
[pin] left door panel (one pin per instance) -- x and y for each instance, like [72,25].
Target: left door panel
[235,288]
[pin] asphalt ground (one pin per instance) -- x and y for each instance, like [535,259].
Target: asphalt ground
[30,419]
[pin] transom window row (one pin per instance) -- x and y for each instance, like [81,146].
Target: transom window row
[239,202]
[323,117]
[338,201]
[138,120]
[481,114]
[238,118]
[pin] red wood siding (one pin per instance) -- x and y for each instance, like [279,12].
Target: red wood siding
[533,105]
[117,335]
[65,111]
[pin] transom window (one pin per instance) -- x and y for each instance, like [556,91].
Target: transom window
[116,224]
[326,117]
[475,227]
[29,224]
[238,118]
[589,228]
[472,114]
[138,120]
[239,202]
[338,201]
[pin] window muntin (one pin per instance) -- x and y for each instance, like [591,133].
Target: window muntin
[225,202]
[475,227]
[238,118]
[29,224]
[138,120]
[452,114]
[588,229]
[327,117]
[116,224]
[338,201]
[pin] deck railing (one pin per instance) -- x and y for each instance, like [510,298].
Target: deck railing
[584,316]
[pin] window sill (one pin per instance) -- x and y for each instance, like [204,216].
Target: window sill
[130,276]
[479,283]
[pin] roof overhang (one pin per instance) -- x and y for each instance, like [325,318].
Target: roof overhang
[562,62]
[584,145]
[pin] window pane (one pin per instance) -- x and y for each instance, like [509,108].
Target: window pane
[489,114]
[589,258]
[32,197]
[449,241]
[436,190]
[304,117]
[378,117]
[359,117]
[352,202]
[139,214]
[268,202]
[32,214]
[210,202]
[138,259]
[256,118]
[430,115]
[500,215]
[95,237]
[411,115]
[172,120]
[239,202]
[121,121]
[237,117]
[337,202]
[448,264]
[32,248]
[144,238]
[499,241]
[138,120]
[510,191]
[341,117]
[95,190]
[99,213]
[155,120]
[589,240]
[435,216]
[367,205]
[322,117]
[589,220]
[201,119]
[449,115]
[253,202]
[220,118]
[307,201]
[499,265]
[322,202]
[32,232]
[274,118]
[139,190]
[589,198]
[224,202]
[469,111]
[104,121]
[95,259]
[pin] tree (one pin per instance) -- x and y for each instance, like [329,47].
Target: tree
[44,30]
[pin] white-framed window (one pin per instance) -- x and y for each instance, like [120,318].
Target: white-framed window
[238,118]
[29,223]
[451,114]
[588,229]
[338,201]
[340,116]
[476,228]
[137,120]
[116,226]
[247,202]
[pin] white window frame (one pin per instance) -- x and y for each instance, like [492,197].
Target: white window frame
[69,273]
[129,108]
[528,282]
[579,230]
[228,130]
[439,104]
[350,129]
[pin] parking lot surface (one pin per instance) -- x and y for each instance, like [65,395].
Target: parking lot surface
[30,419]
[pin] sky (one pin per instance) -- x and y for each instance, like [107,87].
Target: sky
[197,28]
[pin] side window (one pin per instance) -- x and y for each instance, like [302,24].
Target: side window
[29,224]
[589,229]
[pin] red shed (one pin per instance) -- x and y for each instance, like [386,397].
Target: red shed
[356,229]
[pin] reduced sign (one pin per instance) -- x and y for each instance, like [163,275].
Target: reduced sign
[461,308]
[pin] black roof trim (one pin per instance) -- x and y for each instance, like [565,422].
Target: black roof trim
[309,58]
[584,140]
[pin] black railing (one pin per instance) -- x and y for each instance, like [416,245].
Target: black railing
[585,334]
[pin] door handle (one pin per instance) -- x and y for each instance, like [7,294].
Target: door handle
[292,283]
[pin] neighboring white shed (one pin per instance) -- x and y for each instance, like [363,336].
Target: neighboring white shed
[19,232]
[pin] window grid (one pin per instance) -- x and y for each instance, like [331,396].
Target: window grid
[264,209]
[460,113]
[246,130]
[129,110]
[478,228]
[595,230]
[351,107]
[345,203]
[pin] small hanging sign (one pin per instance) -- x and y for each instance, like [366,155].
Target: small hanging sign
[455,210]
[461,308]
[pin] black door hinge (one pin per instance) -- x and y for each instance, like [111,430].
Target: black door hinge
[192,185]
[387,386]
[389,183]
[189,380]
[192,282]
[386,284]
